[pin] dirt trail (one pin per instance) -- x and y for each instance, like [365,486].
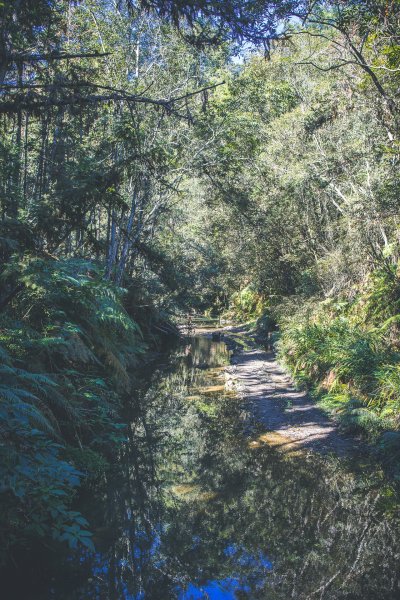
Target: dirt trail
[289,416]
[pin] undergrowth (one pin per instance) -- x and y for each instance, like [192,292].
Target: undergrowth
[348,353]
[68,350]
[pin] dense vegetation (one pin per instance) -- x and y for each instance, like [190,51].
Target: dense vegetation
[157,157]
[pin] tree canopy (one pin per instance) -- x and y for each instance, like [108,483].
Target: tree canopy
[231,158]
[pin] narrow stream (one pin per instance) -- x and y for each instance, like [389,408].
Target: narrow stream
[194,508]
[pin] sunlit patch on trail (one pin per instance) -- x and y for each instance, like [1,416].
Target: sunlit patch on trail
[278,441]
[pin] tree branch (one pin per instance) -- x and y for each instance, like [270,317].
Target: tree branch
[326,69]
[26,102]
[54,56]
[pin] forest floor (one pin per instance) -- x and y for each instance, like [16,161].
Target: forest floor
[291,419]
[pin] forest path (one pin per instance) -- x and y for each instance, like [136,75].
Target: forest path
[272,402]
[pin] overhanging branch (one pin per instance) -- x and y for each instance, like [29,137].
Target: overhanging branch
[31,102]
[26,58]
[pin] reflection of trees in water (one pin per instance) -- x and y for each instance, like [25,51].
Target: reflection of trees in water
[206,352]
[190,501]
[323,528]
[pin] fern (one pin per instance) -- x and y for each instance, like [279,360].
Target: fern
[62,365]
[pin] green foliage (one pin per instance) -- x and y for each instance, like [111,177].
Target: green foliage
[81,347]
[36,484]
[80,314]
[344,352]
[246,304]
[126,198]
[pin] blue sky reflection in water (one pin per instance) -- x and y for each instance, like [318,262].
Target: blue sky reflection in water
[226,589]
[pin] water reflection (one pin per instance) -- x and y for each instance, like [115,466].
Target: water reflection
[203,352]
[193,510]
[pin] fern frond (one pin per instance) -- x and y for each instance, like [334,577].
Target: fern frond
[34,415]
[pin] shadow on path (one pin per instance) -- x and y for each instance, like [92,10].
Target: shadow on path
[275,405]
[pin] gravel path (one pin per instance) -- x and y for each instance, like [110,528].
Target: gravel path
[274,403]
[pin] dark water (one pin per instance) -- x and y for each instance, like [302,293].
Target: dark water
[193,510]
